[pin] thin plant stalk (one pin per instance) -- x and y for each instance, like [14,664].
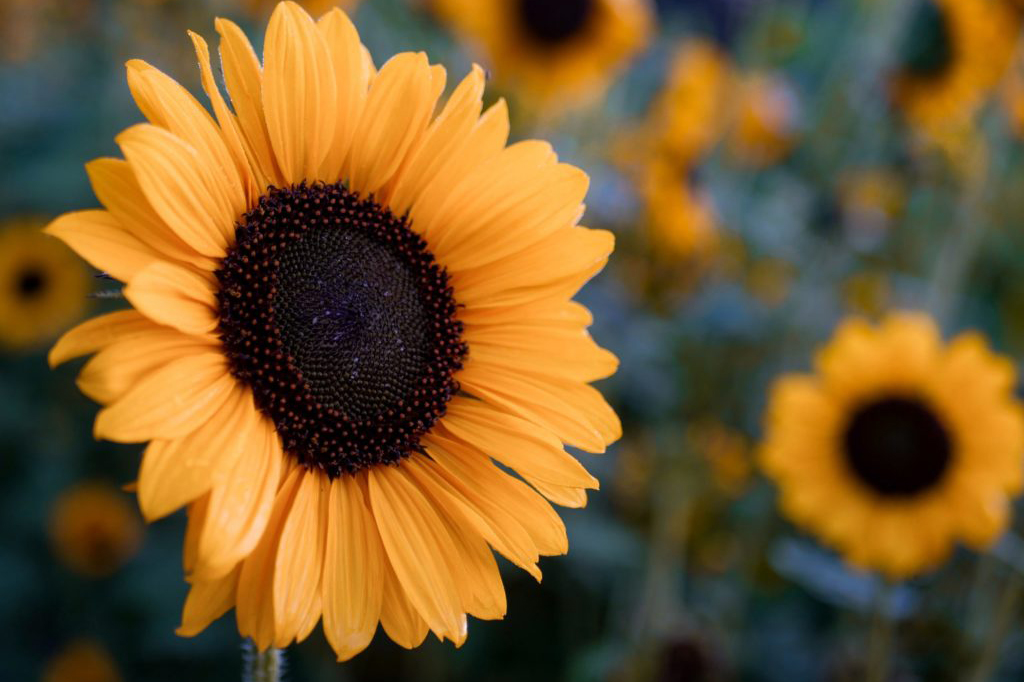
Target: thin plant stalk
[880,637]
[1009,603]
[261,666]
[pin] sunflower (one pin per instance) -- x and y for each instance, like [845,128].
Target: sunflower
[955,53]
[351,319]
[899,445]
[688,114]
[765,119]
[261,8]
[83,660]
[680,218]
[43,287]
[556,54]
[94,530]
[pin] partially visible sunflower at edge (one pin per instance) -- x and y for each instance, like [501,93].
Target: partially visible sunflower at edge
[955,53]
[346,308]
[555,55]
[899,445]
[43,287]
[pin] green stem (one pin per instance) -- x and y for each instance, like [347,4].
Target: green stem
[880,637]
[1009,602]
[261,666]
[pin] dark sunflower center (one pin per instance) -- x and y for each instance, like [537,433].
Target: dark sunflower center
[551,22]
[928,45]
[338,317]
[30,282]
[897,446]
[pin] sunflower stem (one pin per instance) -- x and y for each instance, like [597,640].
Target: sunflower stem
[261,666]
[880,636]
[1009,602]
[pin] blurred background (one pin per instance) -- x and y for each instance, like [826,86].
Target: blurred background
[769,167]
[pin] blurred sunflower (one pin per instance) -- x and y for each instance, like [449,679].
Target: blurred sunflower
[955,53]
[899,445]
[765,119]
[94,530]
[727,453]
[82,661]
[687,116]
[1012,95]
[261,8]
[680,218]
[344,310]
[555,54]
[43,287]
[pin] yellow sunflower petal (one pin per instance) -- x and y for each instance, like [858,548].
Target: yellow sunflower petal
[552,351]
[244,80]
[541,522]
[483,594]
[543,403]
[299,561]
[178,188]
[521,209]
[480,587]
[255,603]
[493,188]
[443,140]
[564,252]
[468,472]
[352,80]
[117,188]
[123,363]
[485,141]
[416,546]
[100,239]
[206,602]
[563,496]
[94,334]
[175,472]
[299,92]
[397,109]
[248,169]
[171,402]
[352,580]
[516,443]
[196,513]
[167,104]
[400,621]
[174,296]
[448,474]
[240,504]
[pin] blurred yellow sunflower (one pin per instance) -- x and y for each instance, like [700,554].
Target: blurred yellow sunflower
[93,529]
[83,660]
[346,310]
[555,54]
[765,119]
[261,8]
[1012,95]
[899,445]
[689,113]
[727,453]
[955,53]
[680,218]
[43,287]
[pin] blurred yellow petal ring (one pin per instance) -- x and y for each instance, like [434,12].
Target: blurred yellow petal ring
[899,445]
